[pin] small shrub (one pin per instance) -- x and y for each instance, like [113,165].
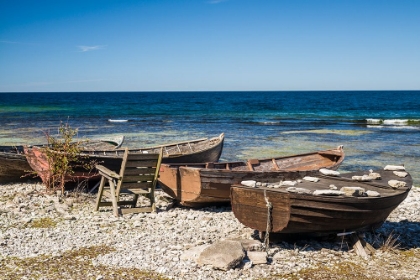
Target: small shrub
[63,154]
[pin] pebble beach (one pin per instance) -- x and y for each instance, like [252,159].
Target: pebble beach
[53,236]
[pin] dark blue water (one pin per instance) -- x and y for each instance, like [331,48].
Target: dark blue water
[375,127]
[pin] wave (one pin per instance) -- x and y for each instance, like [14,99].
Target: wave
[393,122]
[268,122]
[393,126]
[118,121]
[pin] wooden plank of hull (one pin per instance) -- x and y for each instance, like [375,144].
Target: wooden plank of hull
[242,198]
[322,214]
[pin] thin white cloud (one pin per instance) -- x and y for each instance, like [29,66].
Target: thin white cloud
[90,48]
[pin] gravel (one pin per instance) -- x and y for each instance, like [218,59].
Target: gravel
[35,224]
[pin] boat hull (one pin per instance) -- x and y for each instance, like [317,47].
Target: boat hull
[201,184]
[306,213]
[13,164]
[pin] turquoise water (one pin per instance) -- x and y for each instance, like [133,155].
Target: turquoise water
[375,127]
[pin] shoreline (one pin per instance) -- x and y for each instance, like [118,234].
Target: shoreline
[36,225]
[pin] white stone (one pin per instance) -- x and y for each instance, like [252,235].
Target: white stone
[288,183]
[328,192]
[400,174]
[224,255]
[329,172]
[374,175]
[373,194]
[311,179]
[397,184]
[394,168]
[249,183]
[332,187]
[298,190]
[353,191]
[257,257]
[364,178]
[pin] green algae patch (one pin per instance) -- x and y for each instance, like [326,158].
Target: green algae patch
[328,131]
[74,264]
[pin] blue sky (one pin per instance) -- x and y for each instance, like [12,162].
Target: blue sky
[206,45]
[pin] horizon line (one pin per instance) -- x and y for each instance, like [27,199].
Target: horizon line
[157,91]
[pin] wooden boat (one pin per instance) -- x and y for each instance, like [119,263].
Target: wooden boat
[199,150]
[14,165]
[190,151]
[300,212]
[196,185]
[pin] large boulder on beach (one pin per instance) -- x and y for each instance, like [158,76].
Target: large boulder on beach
[224,255]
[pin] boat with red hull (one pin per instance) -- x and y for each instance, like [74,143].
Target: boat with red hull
[198,150]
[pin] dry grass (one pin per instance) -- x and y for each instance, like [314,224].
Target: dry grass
[43,223]
[391,243]
[75,264]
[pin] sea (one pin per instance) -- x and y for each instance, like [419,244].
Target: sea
[376,128]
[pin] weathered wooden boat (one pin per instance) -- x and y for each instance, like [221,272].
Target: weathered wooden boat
[196,185]
[314,208]
[14,165]
[199,150]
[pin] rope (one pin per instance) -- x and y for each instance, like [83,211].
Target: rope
[269,226]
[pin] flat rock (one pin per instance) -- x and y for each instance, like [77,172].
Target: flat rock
[353,191]
[329,172]
[249,183]
[250,244]
[298,190]
[364,178]
[400,174]
[394,168]
[372,194]
[257,257]
[328,192]
[224,255]
[288,183]
[311,179]
[193,253]
[397,184]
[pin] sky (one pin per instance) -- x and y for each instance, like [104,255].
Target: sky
[209,45]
